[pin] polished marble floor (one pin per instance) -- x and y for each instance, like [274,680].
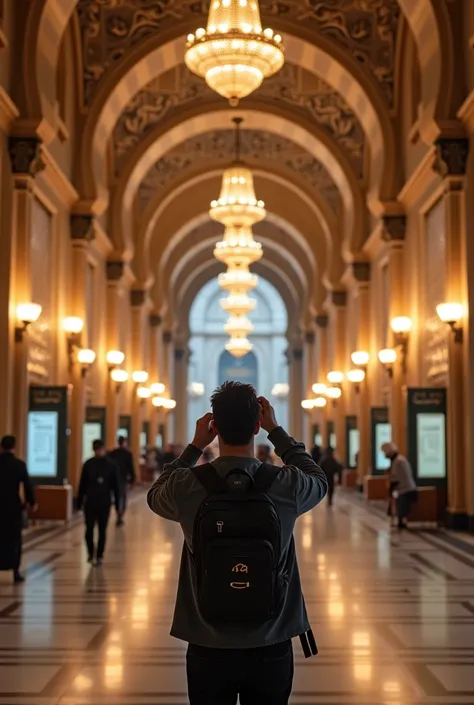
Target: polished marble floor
[393,615]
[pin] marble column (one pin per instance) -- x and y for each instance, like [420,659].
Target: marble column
[155,342]
[296,392]
[181,360]
[451,162]
[25,157]
[167,351]
[339,362]
[82,234]
[361,283]
[115,271]
[393,234]
[309,354]
[138,361]
[322,368]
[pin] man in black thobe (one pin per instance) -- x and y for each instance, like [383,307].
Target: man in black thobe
[123,459]
[13,474]
[99,481]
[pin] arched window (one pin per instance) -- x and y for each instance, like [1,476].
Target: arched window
[242,369]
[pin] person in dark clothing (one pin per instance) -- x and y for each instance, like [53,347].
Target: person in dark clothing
[169,454]
[264,453]
[316,453]
[13,475]
[99,480]
[332,468]
[253,660]
[123,459]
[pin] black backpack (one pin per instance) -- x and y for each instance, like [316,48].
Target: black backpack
[237,547]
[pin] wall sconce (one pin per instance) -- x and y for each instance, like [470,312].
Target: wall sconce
[115,358]
[85,358]
[27,314]
[388,357]
[356,377]
[307,404]
[360,358]
[143,393]
[334,393]
[119,377]
[169,404]
[401,327]
[157,388]
[140,376]
[335,377]
[320,402]
[319,388]
[451,313]
[158,402]
[73,327]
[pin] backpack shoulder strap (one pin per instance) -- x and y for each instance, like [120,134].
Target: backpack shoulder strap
[209,478]
[265,476]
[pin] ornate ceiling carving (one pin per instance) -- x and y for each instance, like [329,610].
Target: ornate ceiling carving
[257,148]
[178,89]
[366,28]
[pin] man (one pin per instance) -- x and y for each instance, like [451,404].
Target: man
[264,453]
[13,475]
[253,660]
[99,480]
[123,459]
[332,468]
[316,453]
[402,483]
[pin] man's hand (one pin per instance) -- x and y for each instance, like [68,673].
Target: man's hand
[267,415]
[204,435]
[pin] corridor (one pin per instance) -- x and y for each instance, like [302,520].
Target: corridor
[393,615]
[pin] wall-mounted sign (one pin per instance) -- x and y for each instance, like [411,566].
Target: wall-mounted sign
[93,429]
[380,433]
[427,434]
[352,441]
[46,444]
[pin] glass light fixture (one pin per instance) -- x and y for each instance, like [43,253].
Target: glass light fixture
[169,404]
[335,377]
[401,324]
[450,312]
[319,388]
[119,376]
[280,390]
[28,313]
[360,357]
[234,54]
[356,376]
[238,326]
[157,388]
[196,389]
[238,347]
[307,404]
[320,402]
[115,357]
[333,392]
[388,356]
[86,356]
[238,304]
[143,392]
[140,376]
[158,402]
[238,247]
[73,325]
[239,280]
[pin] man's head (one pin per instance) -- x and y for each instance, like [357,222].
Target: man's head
[390,450]
[8,444]
[236,412]
[263,453]
[329,451]
[122,441]
[99,448]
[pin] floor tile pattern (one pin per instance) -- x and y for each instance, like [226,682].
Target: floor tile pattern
[393,615]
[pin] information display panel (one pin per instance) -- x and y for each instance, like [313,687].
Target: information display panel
[352,442]
[47,434]
[380,432]
[426,413]
[90,433]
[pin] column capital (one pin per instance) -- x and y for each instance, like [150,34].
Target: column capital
[155,320]
[137,297]
[339,298]
[322,320]
[25,155]
[167,337]
[114,270]
[82,228]
[451,156]
[361,271]
[394,228]
[309,337]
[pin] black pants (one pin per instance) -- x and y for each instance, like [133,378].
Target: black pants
[404,504]
[331,486]
[261,676]
[121,501]
[99,516]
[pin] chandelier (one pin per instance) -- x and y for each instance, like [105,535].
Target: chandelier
[238,304]
[238,280]
[233,54]
[238,347]
[238,247]
[238,327]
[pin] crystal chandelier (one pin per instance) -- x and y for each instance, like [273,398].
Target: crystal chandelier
[238,327]
[233,54]
[238,347]
[238,304]
[238,247]
[238,280]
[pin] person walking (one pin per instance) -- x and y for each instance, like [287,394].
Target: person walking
[99,481]
[402,483]
[123,459]
[13,477]
[239,600]
[332,469]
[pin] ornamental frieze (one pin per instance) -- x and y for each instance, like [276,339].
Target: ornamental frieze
[365,28]
[312,98]
[257,148]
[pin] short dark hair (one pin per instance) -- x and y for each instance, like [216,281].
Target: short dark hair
[121,440]
[236,412]
[8,443]
[98,444]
